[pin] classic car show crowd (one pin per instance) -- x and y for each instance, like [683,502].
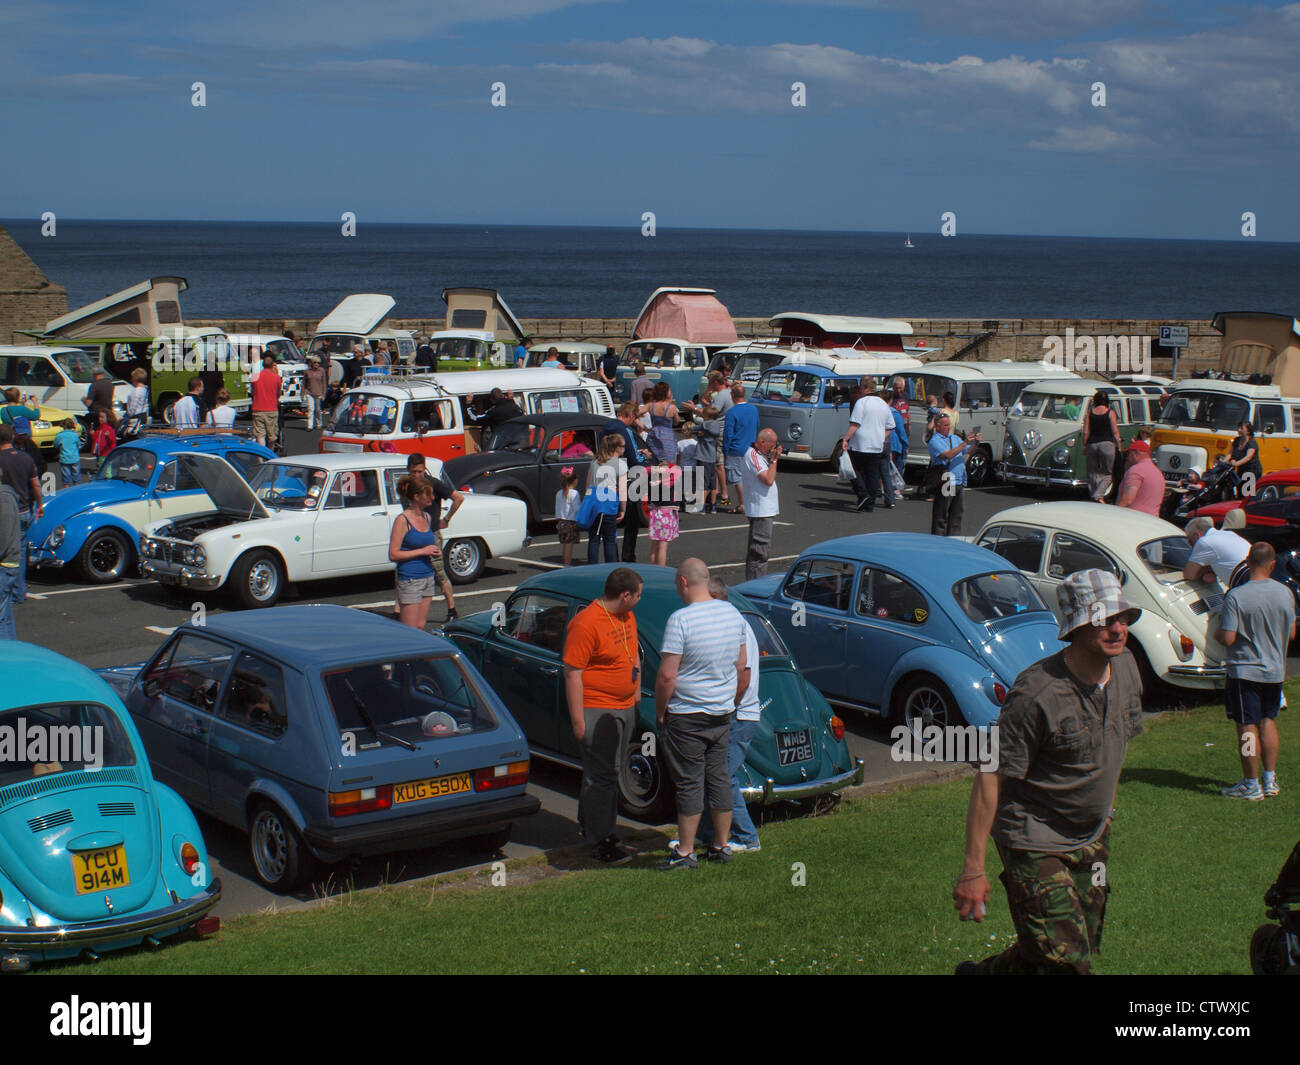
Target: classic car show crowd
[1048,624]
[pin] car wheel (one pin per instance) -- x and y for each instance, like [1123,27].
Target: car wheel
[464,559]
[925,700]
[834,460]
[643,789]
[279,857]
[105,557]
[84,443]
[257,580]
[165,404]
[511,493]
[979,465]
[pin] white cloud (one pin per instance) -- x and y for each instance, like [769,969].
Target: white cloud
[1090,139]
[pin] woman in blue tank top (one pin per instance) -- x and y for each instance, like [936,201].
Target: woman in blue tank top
[412,545]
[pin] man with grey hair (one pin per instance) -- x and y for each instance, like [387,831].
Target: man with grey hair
[1216,553]
[702,679]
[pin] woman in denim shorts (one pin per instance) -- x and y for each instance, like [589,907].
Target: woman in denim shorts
[413,545]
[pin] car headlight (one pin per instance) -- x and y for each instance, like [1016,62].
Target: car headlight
[1008,449]
[796,431]
[40,425]
[56,537]
[1060,456]
[200,557]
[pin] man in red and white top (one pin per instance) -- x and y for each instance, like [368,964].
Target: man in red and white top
[1143,487]
[265,386]
[758,480]
[899,385]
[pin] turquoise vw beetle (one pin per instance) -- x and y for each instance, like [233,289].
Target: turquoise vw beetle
[95,855]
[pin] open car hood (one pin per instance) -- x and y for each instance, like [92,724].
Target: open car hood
[225,487]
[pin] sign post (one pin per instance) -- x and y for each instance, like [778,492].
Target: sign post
[1173,336]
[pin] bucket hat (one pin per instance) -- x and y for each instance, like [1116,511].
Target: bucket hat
[1091,595]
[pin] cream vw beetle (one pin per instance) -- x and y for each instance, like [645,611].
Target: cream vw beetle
[1172,639]
[311,517]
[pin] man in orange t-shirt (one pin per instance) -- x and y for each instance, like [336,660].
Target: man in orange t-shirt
[266,404]
[602,670]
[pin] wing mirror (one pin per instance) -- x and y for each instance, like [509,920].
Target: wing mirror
[152,687]
[421,428]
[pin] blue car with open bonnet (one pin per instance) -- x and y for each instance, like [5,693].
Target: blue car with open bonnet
[94,527]
[95,854]
[326,733]
[919,628]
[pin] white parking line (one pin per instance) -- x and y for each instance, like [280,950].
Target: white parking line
[684,532]
[90,588]
[733,565]
[530,562]
[459,595]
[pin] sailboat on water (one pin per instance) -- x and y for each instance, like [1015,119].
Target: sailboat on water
[909,243]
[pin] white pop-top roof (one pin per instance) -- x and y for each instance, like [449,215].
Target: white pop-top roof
[485,335]
[479,382]
[842,323]
[124,296]
[1232,388]
[359,313]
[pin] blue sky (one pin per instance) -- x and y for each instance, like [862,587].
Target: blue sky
[614,108]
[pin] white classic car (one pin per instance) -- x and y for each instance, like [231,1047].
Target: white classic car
[1173,640]
[311,517]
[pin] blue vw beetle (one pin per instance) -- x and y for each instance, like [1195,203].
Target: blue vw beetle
[923,629]
[95,854]
[95,526]
[327,733]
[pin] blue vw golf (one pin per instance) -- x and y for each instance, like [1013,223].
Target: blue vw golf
[924,629]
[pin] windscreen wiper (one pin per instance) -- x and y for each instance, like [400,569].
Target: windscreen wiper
[370,723]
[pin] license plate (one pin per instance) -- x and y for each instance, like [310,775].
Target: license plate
[432,788]
[793,747]
[100,870]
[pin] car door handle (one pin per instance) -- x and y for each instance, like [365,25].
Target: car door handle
[838,626]
[550,671]
[196,728]
[457,447]
[380,514]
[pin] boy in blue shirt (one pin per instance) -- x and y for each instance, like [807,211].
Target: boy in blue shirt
[69,445]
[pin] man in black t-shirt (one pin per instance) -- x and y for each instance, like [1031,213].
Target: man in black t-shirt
[443,490]
[18,471]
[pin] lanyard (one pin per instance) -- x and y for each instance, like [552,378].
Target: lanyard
[621,632]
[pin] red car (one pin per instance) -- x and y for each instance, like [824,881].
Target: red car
[1272,487]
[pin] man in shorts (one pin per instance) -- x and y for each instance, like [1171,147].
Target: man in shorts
[1256,625]
[739,431]
[702,680]
[442,491]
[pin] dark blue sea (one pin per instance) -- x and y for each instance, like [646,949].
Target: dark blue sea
[272,270]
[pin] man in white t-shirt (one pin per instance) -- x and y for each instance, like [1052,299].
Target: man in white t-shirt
[1215,552]
[744,836]
[867,442]
[189,411]
[758,481]
[703,674]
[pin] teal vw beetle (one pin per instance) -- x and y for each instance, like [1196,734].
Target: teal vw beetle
[798,751]
[95,855]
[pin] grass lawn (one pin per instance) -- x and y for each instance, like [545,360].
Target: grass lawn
[1188,871]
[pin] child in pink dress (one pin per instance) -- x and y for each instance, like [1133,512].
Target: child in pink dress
[663,506]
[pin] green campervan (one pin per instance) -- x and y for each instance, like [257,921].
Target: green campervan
[142,327]
[1043,443]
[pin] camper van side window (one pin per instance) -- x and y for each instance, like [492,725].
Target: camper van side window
[1269,418]
[978,395]
[36,372]
[1008,391]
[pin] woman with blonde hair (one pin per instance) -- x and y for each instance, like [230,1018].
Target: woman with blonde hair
[608,474]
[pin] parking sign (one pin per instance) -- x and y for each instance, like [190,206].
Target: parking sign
[1173,336]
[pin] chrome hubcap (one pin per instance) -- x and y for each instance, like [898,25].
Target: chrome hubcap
[639,776]
[463,557]
[262,580]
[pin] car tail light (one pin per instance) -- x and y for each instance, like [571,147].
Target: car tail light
[364,801]
[999,692]
[837,728]
[189,858]
[500,776]
[1185,642]
[205,926]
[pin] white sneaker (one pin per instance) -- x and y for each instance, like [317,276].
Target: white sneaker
[1270,788]
[738,848]
[1242,790]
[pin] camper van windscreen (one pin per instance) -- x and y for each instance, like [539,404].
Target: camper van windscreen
[77,365]
[460,348]
[1205,410]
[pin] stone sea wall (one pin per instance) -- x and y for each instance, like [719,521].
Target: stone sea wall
[973,339]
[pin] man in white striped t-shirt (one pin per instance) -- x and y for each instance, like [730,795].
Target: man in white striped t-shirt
[703,676]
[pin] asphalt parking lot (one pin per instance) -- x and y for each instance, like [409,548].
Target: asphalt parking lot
[124,623]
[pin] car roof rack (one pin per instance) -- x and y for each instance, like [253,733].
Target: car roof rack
[406,382]
[205,430]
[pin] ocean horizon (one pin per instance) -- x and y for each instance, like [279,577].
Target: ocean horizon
[302,269]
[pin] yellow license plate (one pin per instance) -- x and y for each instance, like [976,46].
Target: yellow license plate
[100,870]
[432,788]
